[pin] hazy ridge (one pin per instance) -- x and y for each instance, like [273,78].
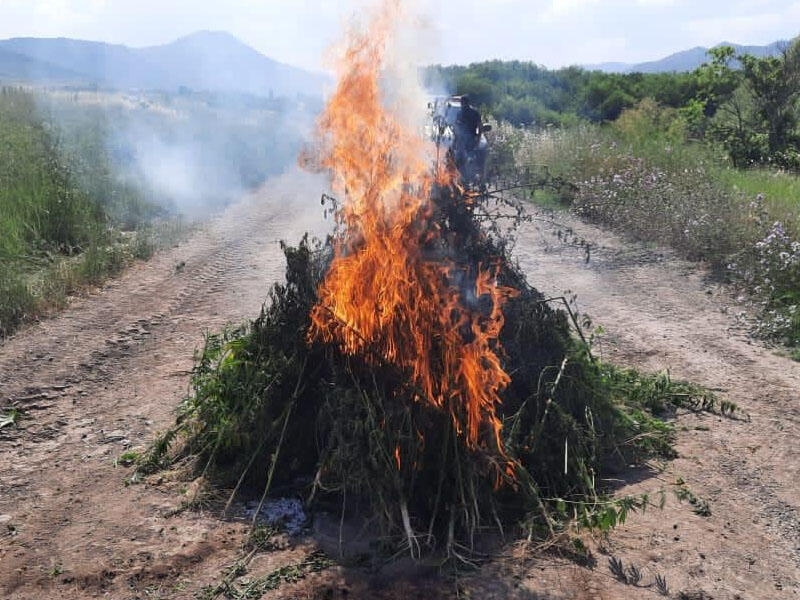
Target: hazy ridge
[207,61]
[686,60]
[219,62]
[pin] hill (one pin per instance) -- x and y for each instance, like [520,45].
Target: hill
[207,61]
[217,61]
[686,60]
[15,67]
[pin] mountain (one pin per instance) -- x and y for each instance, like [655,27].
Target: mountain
[217,61]
[13,63]
[207,61]
[687,60]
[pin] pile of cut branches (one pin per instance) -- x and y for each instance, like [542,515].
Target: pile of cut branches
[273,413]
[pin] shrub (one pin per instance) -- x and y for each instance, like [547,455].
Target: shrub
[771,270]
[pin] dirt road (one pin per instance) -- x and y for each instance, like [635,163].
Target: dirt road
[661,313]
[106,375]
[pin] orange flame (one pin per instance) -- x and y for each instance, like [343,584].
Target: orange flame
[397,457]
[382,298]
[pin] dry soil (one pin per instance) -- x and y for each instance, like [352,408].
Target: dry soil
[105,376]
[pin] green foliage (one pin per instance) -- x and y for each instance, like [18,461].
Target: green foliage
[39,199]
[640,177]
[92,158]
[255,587]
[752,110]
[128,458]
[775,85]
[69,216]
[527,94]
[772,270]
[42,213]
[699,505]
[9,417]
[734,126]
[747,104]
[649,122]
[717,79]
[88,179]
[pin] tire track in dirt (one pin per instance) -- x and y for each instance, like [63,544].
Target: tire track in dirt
[661,313]
[104,376]
[107,374]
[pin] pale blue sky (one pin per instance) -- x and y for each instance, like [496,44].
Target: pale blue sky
[550,32]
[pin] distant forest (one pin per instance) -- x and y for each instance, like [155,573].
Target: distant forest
[751,105]
[524,93]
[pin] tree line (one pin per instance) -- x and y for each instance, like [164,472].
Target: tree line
[750,105]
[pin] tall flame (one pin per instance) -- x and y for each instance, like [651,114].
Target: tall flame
[384,297]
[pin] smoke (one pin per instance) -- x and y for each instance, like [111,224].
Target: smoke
[211,150]
[175,171]
[412,45]
[188,152]
[193,152]
[207,155]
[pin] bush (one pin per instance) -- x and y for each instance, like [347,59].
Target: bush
[771,270]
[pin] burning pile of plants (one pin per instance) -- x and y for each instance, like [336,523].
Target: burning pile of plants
[406,369]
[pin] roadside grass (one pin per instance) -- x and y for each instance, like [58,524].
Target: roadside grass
[640,175]
[62,226]
[781,190]
[43,284]
[89,179]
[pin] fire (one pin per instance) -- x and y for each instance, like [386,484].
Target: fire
[389,296]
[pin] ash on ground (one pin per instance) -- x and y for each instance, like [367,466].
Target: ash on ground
[286,513]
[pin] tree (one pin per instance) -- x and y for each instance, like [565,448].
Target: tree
[753,111]
[714,81]
[717,80]
[735,125]
[775,84]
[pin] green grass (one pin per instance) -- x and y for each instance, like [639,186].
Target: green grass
[781,190]
[40,203]
[87,178]
[59,222]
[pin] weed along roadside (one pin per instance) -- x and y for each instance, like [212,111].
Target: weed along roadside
[94,180]
[57,234]
[640,178]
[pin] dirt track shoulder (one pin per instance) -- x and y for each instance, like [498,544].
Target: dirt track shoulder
[106,375]
[661,313]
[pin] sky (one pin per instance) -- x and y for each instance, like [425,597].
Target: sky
[553,33]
